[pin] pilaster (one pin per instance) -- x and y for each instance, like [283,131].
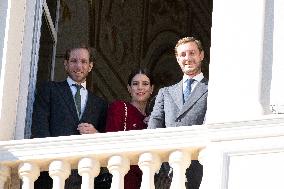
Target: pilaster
[277,92]
[240,64]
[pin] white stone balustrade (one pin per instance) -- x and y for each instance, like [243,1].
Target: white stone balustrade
[118,166]
[149,163]
[59,171]
[216,146]
[28,172]
[4,174]
[88,168]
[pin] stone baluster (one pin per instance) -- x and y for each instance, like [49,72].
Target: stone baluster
[28,172]
[88,168]
[179,161]
[59,171]
[149,163]
[4,174]
[118,166]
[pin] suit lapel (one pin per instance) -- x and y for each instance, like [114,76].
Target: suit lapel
[199,90]
[68,98]
[177,94]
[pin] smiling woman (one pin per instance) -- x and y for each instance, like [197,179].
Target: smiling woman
[132,114]
[125,116]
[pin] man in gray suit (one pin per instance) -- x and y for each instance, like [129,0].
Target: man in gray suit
[185,103]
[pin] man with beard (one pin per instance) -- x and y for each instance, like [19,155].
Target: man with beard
[183,104]
[68,108]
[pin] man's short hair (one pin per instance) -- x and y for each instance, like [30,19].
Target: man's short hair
[81,46]
[187,40]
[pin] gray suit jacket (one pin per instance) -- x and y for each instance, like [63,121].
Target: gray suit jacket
[169,110]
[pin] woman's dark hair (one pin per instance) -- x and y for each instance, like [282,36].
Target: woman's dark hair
[140,71]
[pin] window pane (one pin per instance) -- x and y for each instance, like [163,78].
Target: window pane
[45,53]
[52,6]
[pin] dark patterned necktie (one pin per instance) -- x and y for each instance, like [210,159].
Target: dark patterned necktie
[77,98]
[187,90]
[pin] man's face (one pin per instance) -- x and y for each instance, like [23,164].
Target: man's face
[189,58]
[78,66]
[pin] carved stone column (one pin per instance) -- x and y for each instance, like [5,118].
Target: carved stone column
[4,174]
[179,161]
[28,172]
[149,163]
[59,171]
[118,166]
[88,168]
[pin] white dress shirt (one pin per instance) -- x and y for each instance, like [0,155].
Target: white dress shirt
[196,78]
[83,93]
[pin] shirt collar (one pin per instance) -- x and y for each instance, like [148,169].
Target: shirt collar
[71,82]
[198,77]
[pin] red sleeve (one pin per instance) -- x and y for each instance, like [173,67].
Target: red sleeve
[115,117]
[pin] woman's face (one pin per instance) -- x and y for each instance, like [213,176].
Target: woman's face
[140,88]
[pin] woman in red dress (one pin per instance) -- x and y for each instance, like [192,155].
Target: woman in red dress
[125,116]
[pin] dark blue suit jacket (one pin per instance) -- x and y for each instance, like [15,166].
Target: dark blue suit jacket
[54,112]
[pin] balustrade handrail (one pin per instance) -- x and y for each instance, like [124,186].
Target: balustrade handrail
[132,143]
[103,145]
